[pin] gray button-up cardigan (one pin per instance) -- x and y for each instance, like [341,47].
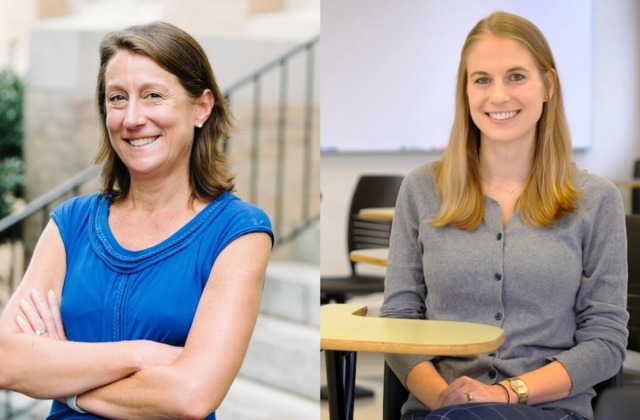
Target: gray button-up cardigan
[558,292]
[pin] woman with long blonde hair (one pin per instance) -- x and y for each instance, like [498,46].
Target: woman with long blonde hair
[505,230]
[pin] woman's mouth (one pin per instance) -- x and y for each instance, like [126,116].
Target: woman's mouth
[142,141]
[502,115]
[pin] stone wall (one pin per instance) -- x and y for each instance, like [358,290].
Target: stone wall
[216,17]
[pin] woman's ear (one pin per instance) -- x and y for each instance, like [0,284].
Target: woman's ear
[551,83]
[204,107]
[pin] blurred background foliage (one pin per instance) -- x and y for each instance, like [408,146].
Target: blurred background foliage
[11,139]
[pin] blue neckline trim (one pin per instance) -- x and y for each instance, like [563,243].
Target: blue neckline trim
[123,260]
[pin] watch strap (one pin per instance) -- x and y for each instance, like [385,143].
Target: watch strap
[72,403]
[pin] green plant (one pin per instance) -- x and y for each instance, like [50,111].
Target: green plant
[11,139]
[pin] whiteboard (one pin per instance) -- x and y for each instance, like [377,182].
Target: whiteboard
[388,67]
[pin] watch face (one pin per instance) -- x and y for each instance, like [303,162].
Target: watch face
[519,387]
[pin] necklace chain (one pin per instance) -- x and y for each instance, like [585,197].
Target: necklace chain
[511,191]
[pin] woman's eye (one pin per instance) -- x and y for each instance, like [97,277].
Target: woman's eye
[482,80]
[154,95]
[517,77]
[116,98]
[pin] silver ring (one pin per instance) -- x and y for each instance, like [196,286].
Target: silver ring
[41,332]
[469,396]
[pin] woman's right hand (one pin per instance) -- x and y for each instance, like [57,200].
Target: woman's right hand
[41,316]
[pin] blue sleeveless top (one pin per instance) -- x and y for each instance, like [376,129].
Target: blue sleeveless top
[113,294]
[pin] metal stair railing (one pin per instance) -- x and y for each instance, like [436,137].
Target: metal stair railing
[42,204]
[255,81]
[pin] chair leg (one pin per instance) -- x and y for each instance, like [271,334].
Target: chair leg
[358,392]
[341,378]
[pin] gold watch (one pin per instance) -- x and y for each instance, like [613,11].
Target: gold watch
[520,388]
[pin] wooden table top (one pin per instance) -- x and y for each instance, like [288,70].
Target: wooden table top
[375,256]
[377,213]
[346,327]
[632,183]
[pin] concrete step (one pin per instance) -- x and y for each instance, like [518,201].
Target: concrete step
[249,400]
[307,245]
[16,406]
[292,292]
[284,355]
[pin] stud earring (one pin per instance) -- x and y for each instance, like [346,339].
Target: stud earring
[199,125]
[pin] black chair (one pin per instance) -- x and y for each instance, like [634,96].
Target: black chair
[370,191]
[632,376]
[395,394]
[619,404]
[635,192]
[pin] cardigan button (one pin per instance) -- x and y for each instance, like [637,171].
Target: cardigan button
[498,276]
[498,316]
[499,236]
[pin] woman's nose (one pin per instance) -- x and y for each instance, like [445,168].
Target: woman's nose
[499,93]
[134,115]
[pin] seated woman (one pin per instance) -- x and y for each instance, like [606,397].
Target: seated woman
[506,231]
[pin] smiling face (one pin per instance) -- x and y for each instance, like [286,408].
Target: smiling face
[505,89]
[150,118]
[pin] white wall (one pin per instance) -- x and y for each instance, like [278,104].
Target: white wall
[424,37]
[615,125]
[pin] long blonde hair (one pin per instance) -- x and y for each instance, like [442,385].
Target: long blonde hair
[550,191]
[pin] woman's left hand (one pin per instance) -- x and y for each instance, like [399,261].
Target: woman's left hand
[41,316]
[465,390]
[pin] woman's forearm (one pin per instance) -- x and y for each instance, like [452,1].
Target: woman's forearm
[426,384]
[155,392]
[46,368]
[548,383]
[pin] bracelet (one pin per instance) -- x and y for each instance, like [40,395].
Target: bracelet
[71,402]
[506,391]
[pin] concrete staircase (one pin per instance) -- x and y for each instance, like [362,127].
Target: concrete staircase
[280,377]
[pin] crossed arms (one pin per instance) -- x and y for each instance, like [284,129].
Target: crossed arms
[133,379]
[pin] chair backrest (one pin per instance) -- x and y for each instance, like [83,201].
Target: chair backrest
[633,295]
[371,191]
[613,382]
[394,393]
